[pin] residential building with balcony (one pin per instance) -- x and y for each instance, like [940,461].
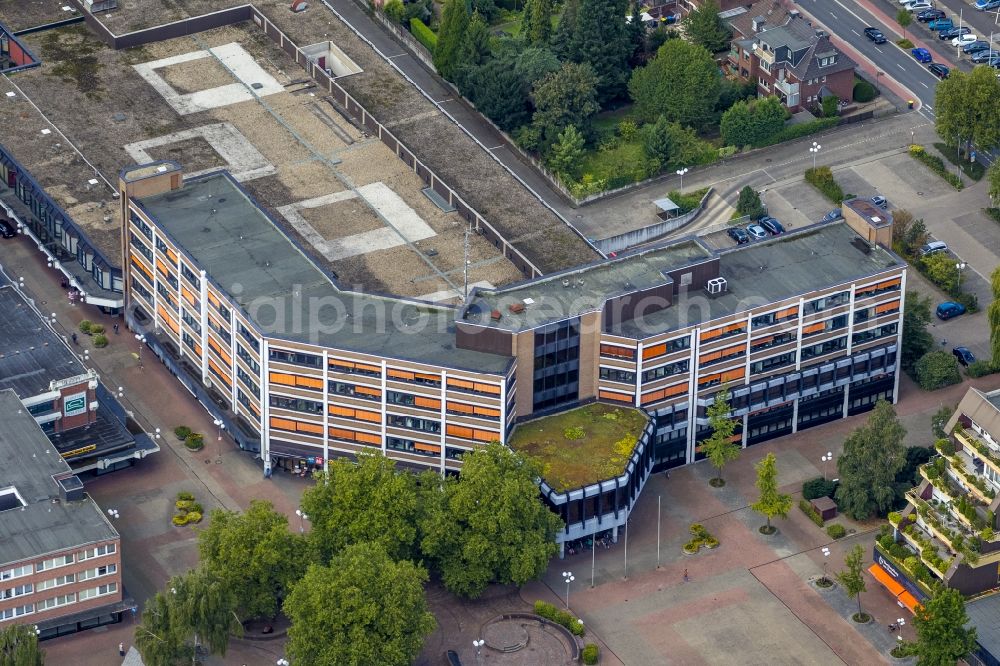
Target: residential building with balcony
[803,329]
[788,59]
[60,557]
[950,522]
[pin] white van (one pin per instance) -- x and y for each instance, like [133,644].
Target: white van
[933,248]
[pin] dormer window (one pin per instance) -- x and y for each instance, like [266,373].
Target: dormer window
[827,61]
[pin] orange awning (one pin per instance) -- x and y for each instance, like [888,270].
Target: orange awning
[886,580]
[909,601]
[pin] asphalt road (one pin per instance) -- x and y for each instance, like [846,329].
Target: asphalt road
[848,20]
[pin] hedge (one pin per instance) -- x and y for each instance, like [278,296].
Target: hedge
[864,92]
[423,34]
[818,487]
[590,654]
[836,531]
[562,617]
[813,514]
[798,131]
[979,369]
[822,179]
[935,164]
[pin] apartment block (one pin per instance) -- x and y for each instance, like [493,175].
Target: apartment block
[60,557]
[802,329]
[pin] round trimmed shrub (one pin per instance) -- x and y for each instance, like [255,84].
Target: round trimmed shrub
[100,341]
[836,531]
[864,91]
[184,505]
[96,329]
[194,442]
[85,326]
[185,495]
[590,654]
[691,547]
[181,432]
[193,517]
[711,542]
[180,519]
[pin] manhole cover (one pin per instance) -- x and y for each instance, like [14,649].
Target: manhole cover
[768,159]
[920,194]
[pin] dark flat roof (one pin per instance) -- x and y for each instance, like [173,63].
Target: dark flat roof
[41,526]
[249,257]
[984,615]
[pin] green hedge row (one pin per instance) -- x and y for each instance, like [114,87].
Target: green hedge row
[798,131]
[822,179]
[423,34]
[559,616]
[935,164]
[813,514]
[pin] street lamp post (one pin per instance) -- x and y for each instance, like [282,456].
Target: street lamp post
[814,150]
[877,75]
[681,172]
[302,517]
[282,662]
[568,577]
[826,558]
[961,265]
[826,459]
[478,644]
[142,341]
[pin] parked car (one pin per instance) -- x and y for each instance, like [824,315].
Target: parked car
[976,46]
[738,235]
[917,5]
[933,248]
[954,32]
[938,70]
[875,35]
[7,229]
[949,309]
[452,658]
[834,214]
[930,15]
[964,40]
[964,356]
[983,5]
[756,231]
[941,24]
[772,225]
[880,201]
[922,55]
[981,57]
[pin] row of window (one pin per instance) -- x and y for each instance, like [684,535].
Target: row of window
[617,375]
[876,333]
[248,381]
[776,317]
[296,358]
[772,362]
[666,370]
[296,404]
[58,601]
[825,347]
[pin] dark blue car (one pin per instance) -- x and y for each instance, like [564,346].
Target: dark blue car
[949,310]
[922,55]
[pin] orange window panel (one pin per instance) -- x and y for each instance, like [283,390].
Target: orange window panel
[162,267]
[618,397]
[367,390]
[168,320]
[369,438]
[708,379]
[212,299]
[188,295]
[429,448]
[197,350]
[313,428]
[486,411]
[400,374]
[487,388]
[218,350]
[430,378]
[341,433]
[708,335]
[282,378]
[762,341]
[219,370]
[368,368]
[676,389]
[461,383]
[889,284]
[620,352]
[787,312]
[653,396]
[362,415]
[429,403]
[341,411]
[814,328]
[654,351]
[460,431]
[484,436]
[309,382]
[460,407]
[172,255]
[887,307]
[254,409]
[145,271]
[282,424]
[732,375]
[864,291]
[708,358]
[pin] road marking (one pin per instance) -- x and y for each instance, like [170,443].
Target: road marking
[900,66]
[398,55]
[442,101]
[928,107]
[855,32]
[833,15]
[924,85]
[879,50]
[495,147]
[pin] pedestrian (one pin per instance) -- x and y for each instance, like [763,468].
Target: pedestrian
[686,579]
[121,649]
[74,338]
[115,327]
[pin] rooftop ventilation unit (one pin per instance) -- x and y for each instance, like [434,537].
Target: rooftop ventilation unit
[516,308]
[717,286]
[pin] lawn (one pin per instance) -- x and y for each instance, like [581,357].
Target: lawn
[599,449]
[605,164]
[973,170]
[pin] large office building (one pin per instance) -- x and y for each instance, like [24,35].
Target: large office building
[60,557]
[802,329]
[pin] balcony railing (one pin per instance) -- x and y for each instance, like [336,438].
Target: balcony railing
[787,87]
[766,56]
[931,550]
[965,467]
[978,448]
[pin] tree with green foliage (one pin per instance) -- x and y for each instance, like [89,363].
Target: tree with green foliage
[904,18]
[853,579]
[636,30]
[451,38]
[770,503]
[917,341]
[534,62]
[365,608]
[943,637]
[993,317]
[203,609]
[939,420]
[993,183]
[363,501]
[681,83]
[19,646]
[706,29]
[937,369]
[478,531]
[499,92]
[567,153]
[475,48]
[563,41]
[830,106]
[751,122]
[873,455]
[601,40]
[564,98]
[160,636]
[941,270]
[537,25]
[720,448]
[656,140]
[395,10]
[254,555]
[749,203]
[967,108]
